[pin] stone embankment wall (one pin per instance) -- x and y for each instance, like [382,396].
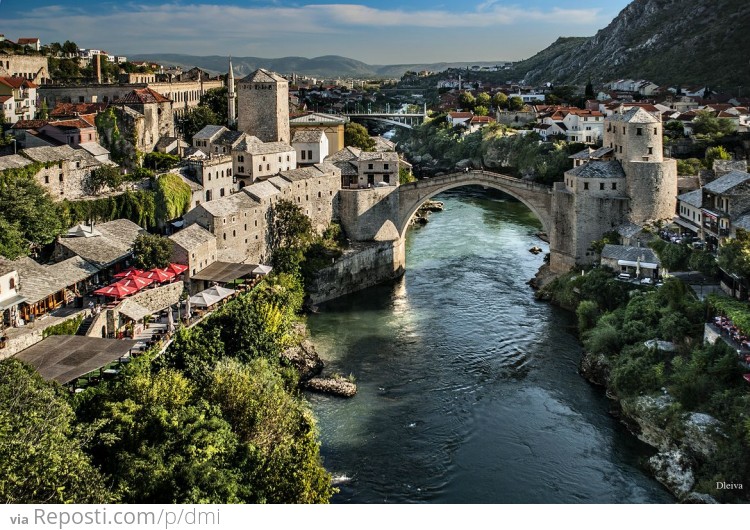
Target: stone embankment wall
[366,265]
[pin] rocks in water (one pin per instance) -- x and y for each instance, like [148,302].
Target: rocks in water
[595,368]
[336,385]
[535,250]
[432,206]
[543,236]
[305,359]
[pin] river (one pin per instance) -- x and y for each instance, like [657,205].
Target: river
[468,387]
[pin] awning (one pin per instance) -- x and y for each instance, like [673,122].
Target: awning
[224,272]
[643,264]
[10,302]
[686,224]
[64,358]
[133,310]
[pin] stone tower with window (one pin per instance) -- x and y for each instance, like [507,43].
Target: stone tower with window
[263,106]
[626,181]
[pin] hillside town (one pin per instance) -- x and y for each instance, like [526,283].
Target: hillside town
[141,200]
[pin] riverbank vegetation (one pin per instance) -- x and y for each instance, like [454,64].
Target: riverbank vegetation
[435,146]
[217,418]
[619,323]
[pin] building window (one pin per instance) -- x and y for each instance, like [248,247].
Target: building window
[61,177]
[651,150]
[639,131]
[221,192]
[614,185]
[387,178]
[279,160]
[656,131]
[385,166]
[46,179]
[309,154]
[260,167]
[601,186]
[268,167]
[303,155]
[585,185]
[369,166]
[225,237]
[209,176]
[287,158]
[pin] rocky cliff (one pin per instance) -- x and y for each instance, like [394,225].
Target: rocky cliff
[700,42]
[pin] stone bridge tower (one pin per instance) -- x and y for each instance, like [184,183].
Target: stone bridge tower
[263,106]
[628,180]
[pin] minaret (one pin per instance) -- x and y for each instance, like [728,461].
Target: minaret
[231,98]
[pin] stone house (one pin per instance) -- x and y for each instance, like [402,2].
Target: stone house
[311,146]
[255,160]
[689,212]
[152,116]
[725,206]
[363,169]
[35,68]
[18,97]
[215,175]
[332,126]
[108,245]
[65,172]
[73,132]
[195,247]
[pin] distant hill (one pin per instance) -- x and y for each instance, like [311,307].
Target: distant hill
[700,42]
[326,66]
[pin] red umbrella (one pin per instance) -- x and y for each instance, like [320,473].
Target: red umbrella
[116,290]
[177,268]
[159,275]
[136,282]
[129,272]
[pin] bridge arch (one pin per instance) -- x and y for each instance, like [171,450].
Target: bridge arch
[536,197]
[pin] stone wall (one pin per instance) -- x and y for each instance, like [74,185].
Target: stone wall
[31,67]
[364,266]
[21,338]
[368,214]
[263,110]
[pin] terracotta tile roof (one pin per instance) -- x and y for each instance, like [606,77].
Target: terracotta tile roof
[482,119]
[17,82]
[460,115]
[3,99]
[63,110]
[29,124]
[143,95]
[27,40]
[76,123]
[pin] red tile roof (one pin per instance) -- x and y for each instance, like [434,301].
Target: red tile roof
[75,123]
[482,119]
[29,124]
[144,95]
[460,115]
[63,110]
[17,82]
[27,40]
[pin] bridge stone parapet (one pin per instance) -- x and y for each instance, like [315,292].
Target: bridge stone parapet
[537,197]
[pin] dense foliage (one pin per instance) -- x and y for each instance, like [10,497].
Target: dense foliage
[30,218]
[356,135]
[137,206]
[151,251]
[42,458]
[69,327]
[173,196]
[616,319]
[493,146]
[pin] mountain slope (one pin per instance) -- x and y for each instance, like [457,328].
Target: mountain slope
[665,41]
[326,66]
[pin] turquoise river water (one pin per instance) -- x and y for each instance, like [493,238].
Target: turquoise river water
[468,387]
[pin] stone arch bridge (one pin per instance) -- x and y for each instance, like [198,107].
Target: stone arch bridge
[383,213]
[537,197]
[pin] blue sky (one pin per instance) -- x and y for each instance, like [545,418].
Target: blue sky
[374,31]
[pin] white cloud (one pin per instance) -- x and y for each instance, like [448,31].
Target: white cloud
[273,30]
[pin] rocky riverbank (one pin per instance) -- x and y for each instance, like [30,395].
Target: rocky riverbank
[421,218]
[683,440]
[305,359]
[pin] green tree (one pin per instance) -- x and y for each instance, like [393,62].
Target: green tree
[589,92]
[500,100]
[105,176]
[151,251]
[715,153]
[197,118]
[356,135]
[12,243]
[25,204]
[216,100]
[515,103]
[467,100]
[283,457]
[405,176]
[483,99]
[705,123]
[609,238]
[734,255]
[674,128]
[162,443]
[690,166]
[289,227]
[481,110]
[41,459]
[703,262]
